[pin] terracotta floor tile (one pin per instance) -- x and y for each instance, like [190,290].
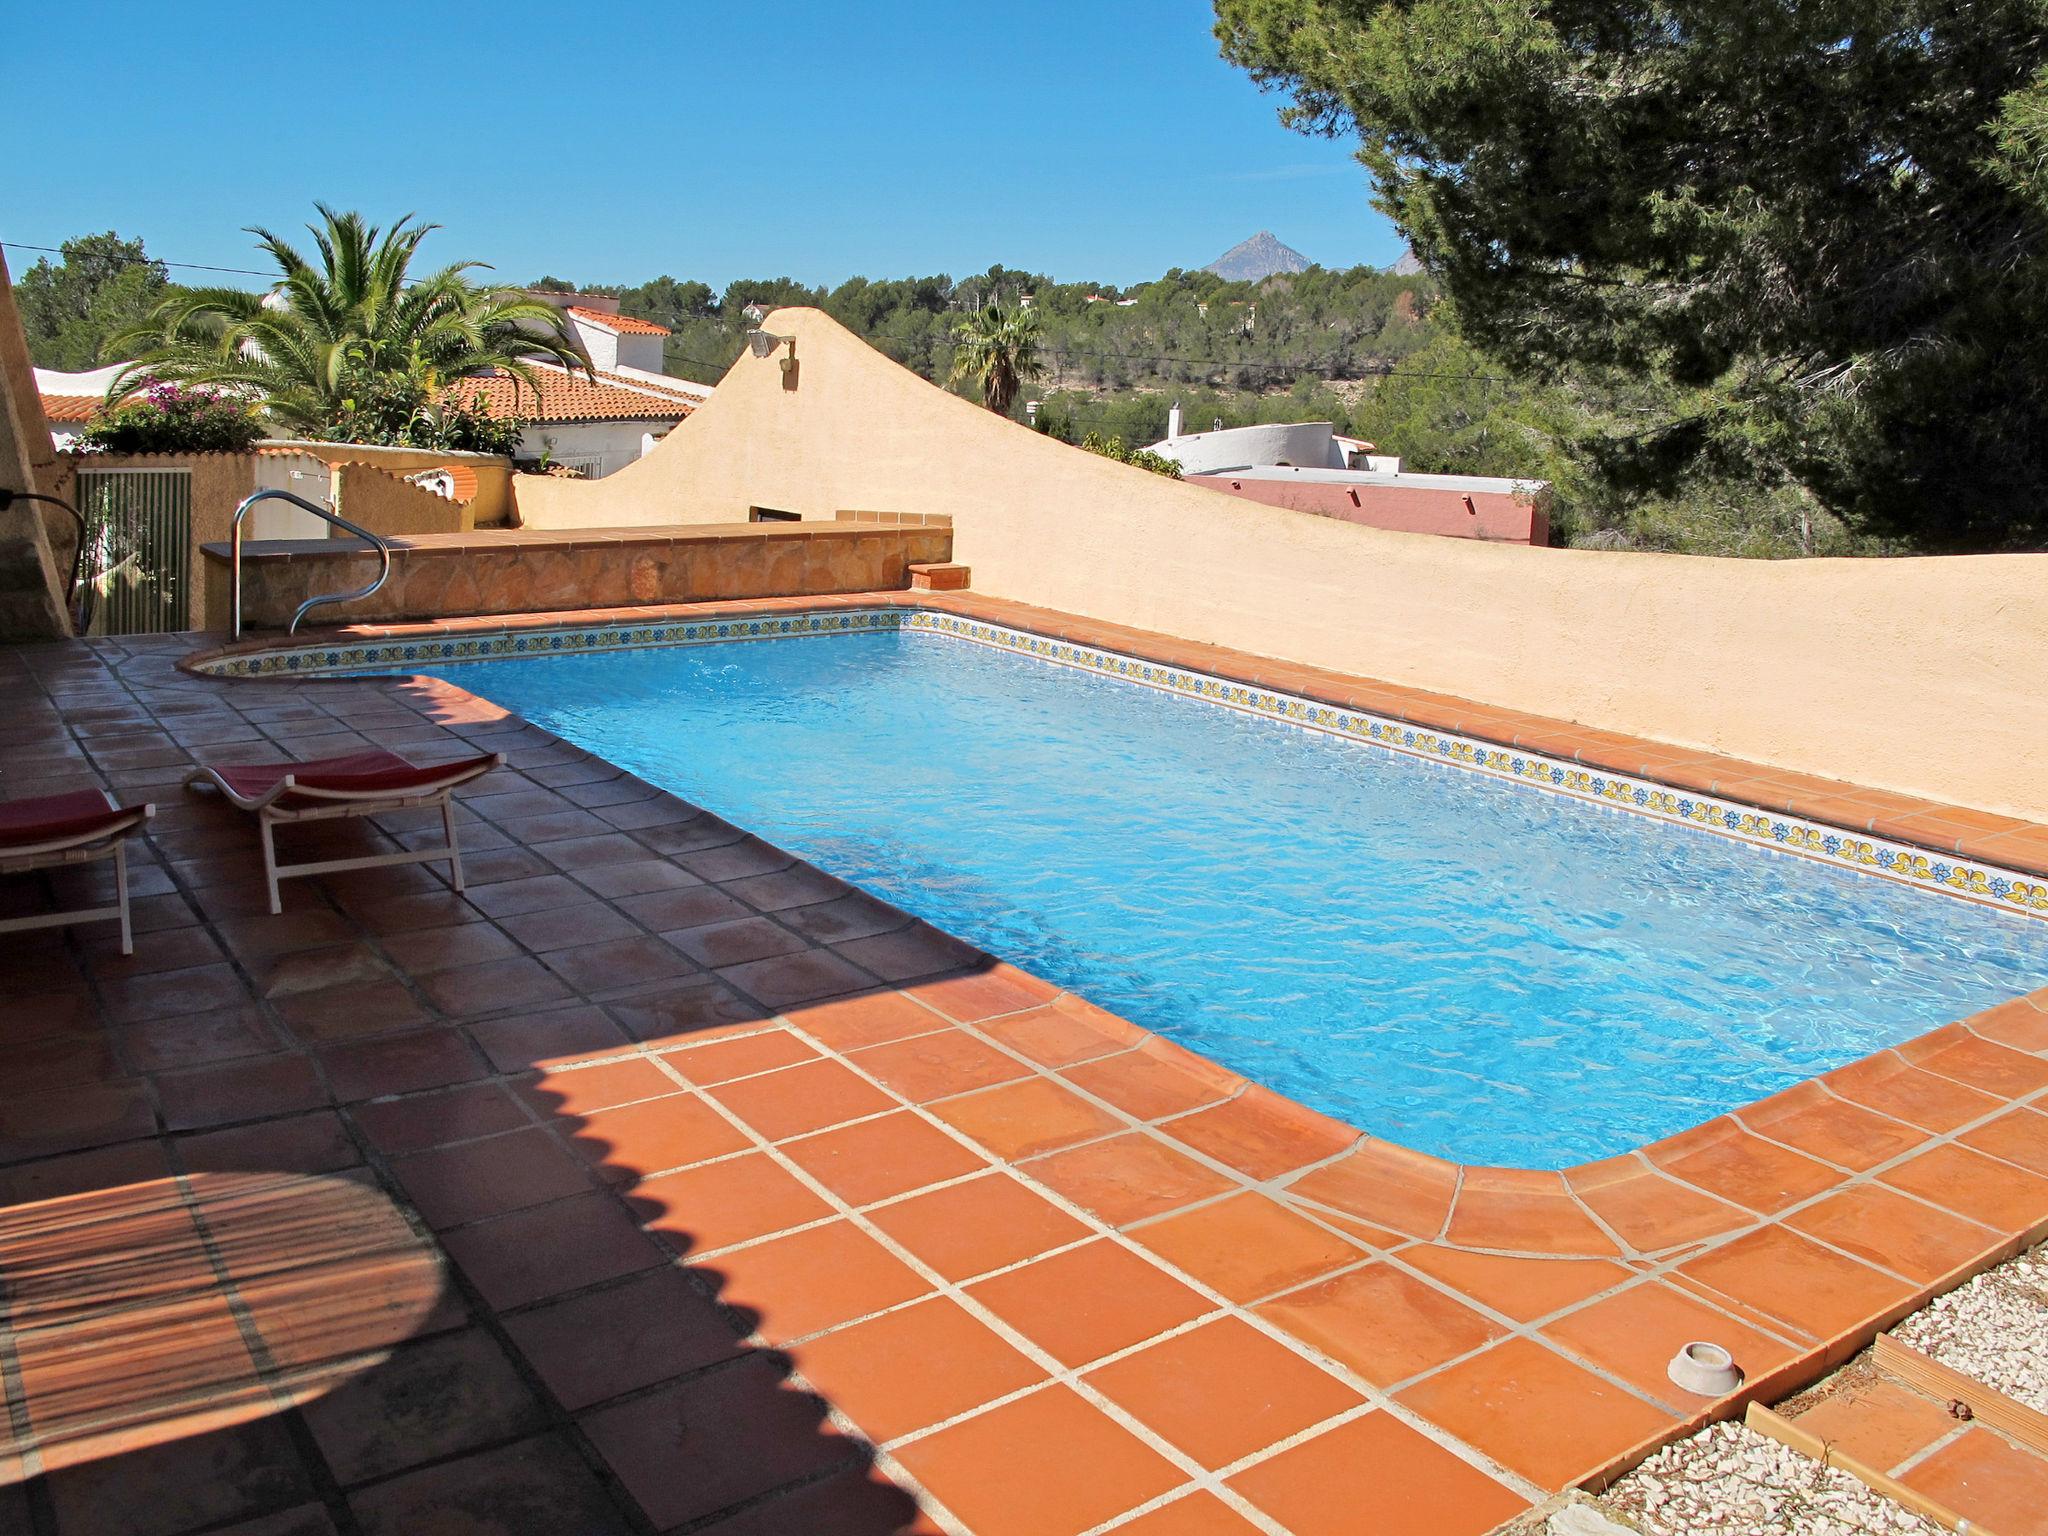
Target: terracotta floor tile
[736,942]
[983,1224]
[1387,1185]
[577,1091]
[937,1066]
[1050,1464]
[867,1018]
[798,886]
[856,1502]
[907,1370]
[554,1037]
[1247,1246]
[1063,1032]
[1535,1412]
[1780,1274]
[1089,1301]
[686,1012]
[631,1141]
[238,1090]
[453,1185]
[1878,1421]
[1156,1079]
[431,1119]
[1729,1163]
[74,1119]
[802,1098]
[1384,1324]
[742,1056]
[1224,1390]
[909,952]
[303,1144]
[1521,1288]
[596,969]
[2021,1023]
[879,1159]
[441,949]
[195,1040]
[987,993]
[538,893]
[472,990]
[812,1280]
[551,1249]
[1127,1178]
[589,922]
[1550,1222]
[2019,1137]
[1262,1134]
[734,1200]
[594,1347]
[1634,1334]
[1841,1133]
[804,977]
[408,1063]
[1650,1212]
[1898,1234]
[1411,1485]
[854,916]
[432,1399]
[1886,1084]
[1989,1482]
[351,1013]
[1982,1064]
[200,989]
[537,1484]
[149,1489]
[691,906]
[1983,1189]
[1022,1119]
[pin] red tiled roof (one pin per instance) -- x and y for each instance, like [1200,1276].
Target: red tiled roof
[72,407]
[568,397]
[625,323]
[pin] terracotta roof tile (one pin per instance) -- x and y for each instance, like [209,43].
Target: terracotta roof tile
[625,323]
[568,397]
[71,407]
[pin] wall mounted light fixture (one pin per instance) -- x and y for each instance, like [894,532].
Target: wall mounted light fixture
[762,343]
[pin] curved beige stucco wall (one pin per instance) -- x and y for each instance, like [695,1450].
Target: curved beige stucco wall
[1928,676]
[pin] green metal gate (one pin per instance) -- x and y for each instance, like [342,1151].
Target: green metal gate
[138,548]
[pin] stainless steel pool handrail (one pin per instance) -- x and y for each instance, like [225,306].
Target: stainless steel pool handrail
[325,514]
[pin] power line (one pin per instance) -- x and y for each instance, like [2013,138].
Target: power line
[131,261]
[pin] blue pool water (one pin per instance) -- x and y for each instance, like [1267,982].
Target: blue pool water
[1460,964]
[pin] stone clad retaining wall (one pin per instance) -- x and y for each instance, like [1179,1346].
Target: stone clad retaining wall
[494,571]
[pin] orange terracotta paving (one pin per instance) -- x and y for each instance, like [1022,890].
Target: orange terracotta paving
[772,1152]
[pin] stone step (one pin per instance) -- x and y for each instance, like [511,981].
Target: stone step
[940,577]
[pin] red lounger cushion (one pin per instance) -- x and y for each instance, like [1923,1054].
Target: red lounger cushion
[25,823]
[370,772]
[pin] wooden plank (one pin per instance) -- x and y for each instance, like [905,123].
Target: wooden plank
[1787,1433]
[1987,1405]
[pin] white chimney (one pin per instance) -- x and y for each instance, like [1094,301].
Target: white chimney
[1173,422]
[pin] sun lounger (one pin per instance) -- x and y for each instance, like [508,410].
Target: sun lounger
[75,828]
[360,784]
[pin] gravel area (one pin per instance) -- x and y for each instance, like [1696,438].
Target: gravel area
[1994,1328]
[1731,1481]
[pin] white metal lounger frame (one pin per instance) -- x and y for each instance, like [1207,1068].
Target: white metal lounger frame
[106,843]
[337,803]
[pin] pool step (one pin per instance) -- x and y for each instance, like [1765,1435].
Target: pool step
[940,577]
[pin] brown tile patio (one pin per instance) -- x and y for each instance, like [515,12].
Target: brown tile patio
[662,1183]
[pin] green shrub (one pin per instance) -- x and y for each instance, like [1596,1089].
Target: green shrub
[1137,458]
[172,418]
[396,411]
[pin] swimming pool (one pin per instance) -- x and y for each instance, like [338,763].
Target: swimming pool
[1462,964]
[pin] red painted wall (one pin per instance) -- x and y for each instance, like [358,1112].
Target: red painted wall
[1406,509]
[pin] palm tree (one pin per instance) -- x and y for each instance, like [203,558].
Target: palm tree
[312,342]
[998,349]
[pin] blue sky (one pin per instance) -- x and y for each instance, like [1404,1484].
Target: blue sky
[711,140]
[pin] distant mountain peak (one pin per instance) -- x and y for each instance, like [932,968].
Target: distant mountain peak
[1408,265]
[1259,257]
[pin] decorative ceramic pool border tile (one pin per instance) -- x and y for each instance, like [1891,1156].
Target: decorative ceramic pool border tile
[1984,884]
